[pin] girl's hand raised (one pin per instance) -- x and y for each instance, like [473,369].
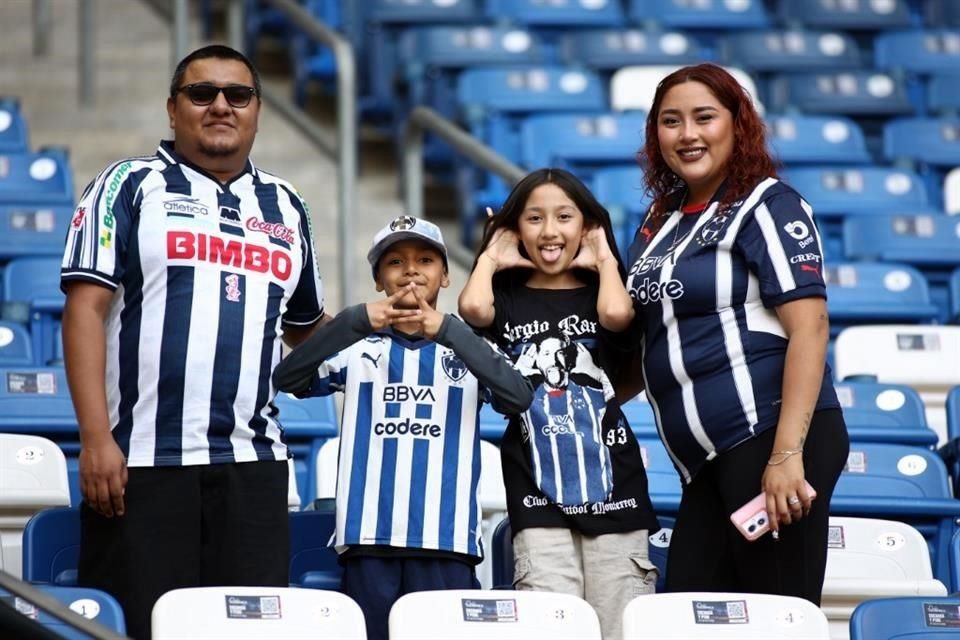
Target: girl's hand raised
[504,251]
[594,250]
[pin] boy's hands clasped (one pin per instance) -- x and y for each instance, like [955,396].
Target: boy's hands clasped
[424,320]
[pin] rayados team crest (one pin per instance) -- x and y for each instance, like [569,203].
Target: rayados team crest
[453,366]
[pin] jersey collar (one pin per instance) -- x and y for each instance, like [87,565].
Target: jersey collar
[166,153]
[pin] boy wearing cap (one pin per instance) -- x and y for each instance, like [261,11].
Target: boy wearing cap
[408,517]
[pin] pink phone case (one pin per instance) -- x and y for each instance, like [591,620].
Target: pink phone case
[751,519]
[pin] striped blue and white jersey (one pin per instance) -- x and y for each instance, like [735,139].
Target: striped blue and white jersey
[705,287]
[203,274]
[409,464]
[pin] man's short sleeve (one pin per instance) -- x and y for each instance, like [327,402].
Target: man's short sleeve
[781,244]
[306,303]
[97,238]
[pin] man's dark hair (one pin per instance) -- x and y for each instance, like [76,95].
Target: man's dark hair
[219,51]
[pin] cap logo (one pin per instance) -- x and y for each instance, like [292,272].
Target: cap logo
[402,223]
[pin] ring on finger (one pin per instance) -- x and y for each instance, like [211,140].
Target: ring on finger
[792,500]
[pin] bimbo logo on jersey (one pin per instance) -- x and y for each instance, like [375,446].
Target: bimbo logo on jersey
[187,245]
[273,229]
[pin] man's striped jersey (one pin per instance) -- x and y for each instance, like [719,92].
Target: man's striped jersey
[202,274]
[713,348]
[409,462]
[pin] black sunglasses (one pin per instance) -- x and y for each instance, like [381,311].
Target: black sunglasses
[204,93]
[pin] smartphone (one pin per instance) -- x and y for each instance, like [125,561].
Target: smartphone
[752,520]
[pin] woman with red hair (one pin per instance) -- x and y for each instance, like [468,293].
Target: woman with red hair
[726,275]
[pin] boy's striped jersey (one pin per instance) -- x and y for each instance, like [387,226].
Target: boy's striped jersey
[409,462]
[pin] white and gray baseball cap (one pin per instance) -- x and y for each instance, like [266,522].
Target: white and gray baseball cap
[405,228]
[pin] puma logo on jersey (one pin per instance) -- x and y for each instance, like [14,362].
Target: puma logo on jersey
[367,356]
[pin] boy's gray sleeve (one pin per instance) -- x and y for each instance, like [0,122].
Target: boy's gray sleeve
[295,372]
[512,393]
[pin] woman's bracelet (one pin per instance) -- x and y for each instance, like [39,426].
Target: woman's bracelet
[786,453]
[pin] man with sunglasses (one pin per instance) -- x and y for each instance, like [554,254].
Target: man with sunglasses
[182,270]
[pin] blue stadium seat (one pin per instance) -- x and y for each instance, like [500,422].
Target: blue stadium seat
[791,51]
[852,16]
[311,60]
[94,604]
[421,11]
[884,412]
[639,413]
[700,14]
[919,51]
[492,424]
[663,480]
[620,189]
[30,230]
[816,140]
[13,127]
[955,297]
[36,179]
[307,423]
[865,190]
[950,452]
[841,92]
[934,141]
[943,93]
[51,547]
[955,558]
[31,292]
[876,293]
[899,482]
[581,142]
[907,618]
[556,14]
[313,564]
[924,241]
[610,49]
[942,13]
[16,348]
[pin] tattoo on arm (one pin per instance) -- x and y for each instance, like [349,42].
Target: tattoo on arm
[806,427]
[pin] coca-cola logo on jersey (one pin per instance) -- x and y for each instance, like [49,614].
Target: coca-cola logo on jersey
[273,229]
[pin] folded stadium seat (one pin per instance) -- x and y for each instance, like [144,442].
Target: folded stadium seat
[860,93]
[870,558]
[15,346]
[33,476]
[311,60]
[620,189]
[797,139]
[36,179]
[51,547]
[31,294]
[709,615]
[904,483]
[313,562]
[884,412]
[639,414]
[581,142]
[928,242]
[852,16]
[493,506]
[914,618]
[253,613]
[919,51]
[932,141]
[92,604]
[778,50]
[33,230]
[489,615]
[435,55]
[632,88]
[307,423]
[13,127]
[924,357]
[876,293]
[610,49]
[943,93]
[716,15]
[493,102]
[951,456]
[838,192]
[594,13]
[503,564]
[951,192]
[382,23]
